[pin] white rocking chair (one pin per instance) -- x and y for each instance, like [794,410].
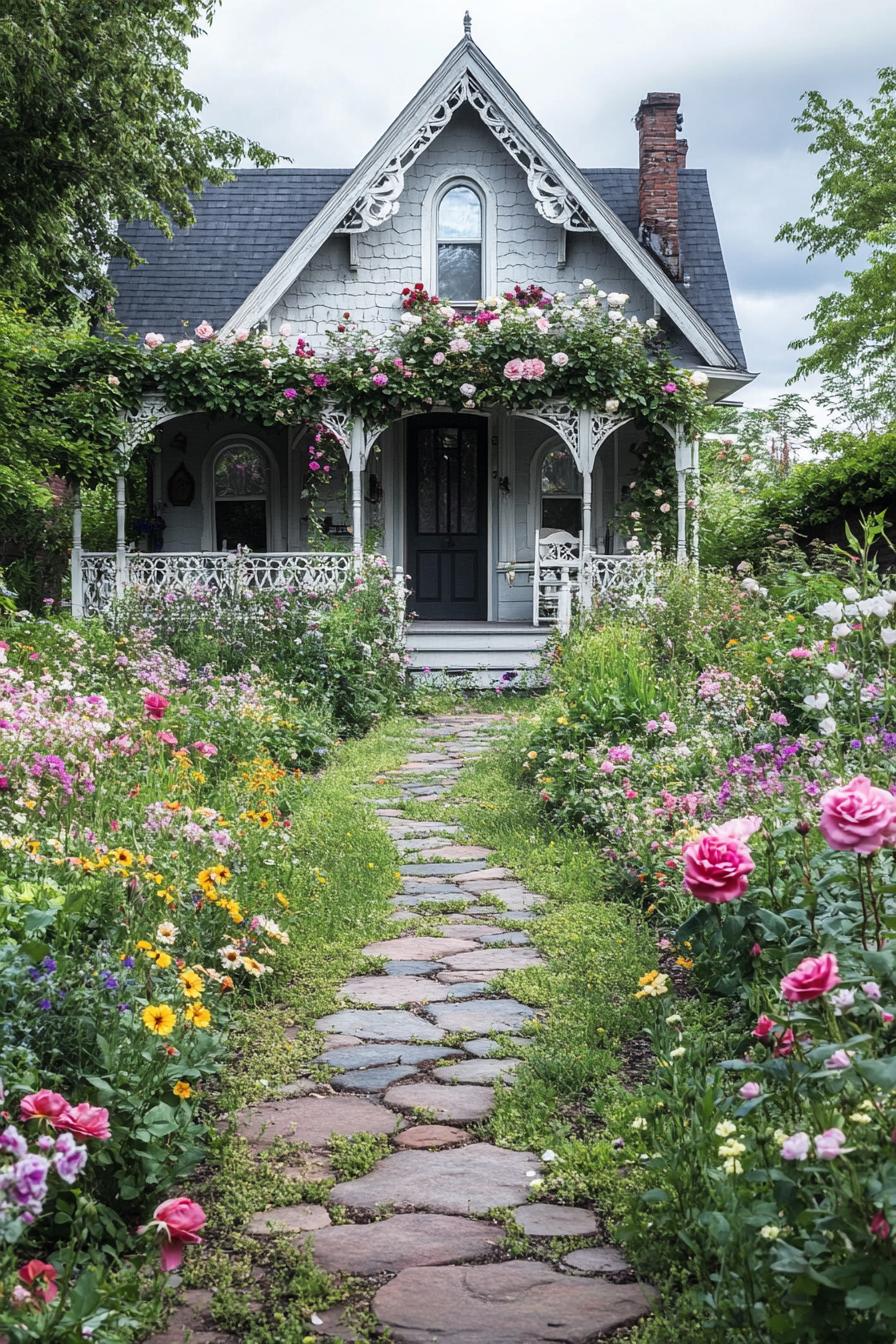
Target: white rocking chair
[558,573]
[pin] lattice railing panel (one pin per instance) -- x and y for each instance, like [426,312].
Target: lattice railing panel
[626,578]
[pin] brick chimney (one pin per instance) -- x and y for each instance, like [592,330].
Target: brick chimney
[660,155]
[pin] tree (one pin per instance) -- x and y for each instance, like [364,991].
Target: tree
[854,212]
[97,126]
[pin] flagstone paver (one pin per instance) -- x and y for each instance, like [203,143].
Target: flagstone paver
[403,1240]
[391,1063]
[518,1302]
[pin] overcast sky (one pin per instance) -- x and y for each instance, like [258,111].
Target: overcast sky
[319,80]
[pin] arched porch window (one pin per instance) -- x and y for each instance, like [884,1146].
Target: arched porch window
[459,244]
[560,506]
[242,485]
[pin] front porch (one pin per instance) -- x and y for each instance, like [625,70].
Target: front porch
[452,503]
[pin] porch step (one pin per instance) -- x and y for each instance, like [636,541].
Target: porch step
[482,651]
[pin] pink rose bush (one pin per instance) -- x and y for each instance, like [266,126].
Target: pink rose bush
[813,977]
[858,816]
[717,867]
[177,1223]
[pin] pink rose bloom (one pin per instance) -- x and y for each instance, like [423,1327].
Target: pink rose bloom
[716,869]
[241,334]
[669,388]
[178,1221]
[739,828]
[205,331]
[607,767]
[206,749]
[439,357]
[829,1144]
[878,1226]
[799,652]
[153,339]
[380,379]
[167,737]
[623,753]
[459,346]
[560,359]
[183,346]
[290,393]
[858,816]
[266,341]
[88,1122]
[533,369]
[154,705]
[513,370]
[43,1105]
[749,1091]
[284,329]
[871,989]
[813,977]
[796,1147]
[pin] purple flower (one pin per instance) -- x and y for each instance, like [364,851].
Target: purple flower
[49,965]
[380,379]
[290,393]
[128,962]
[11,1141]
[69,1159]
[27,1181]
[44,1005]
[320,380]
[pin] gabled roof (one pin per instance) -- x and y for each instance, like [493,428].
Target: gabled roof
[205,272]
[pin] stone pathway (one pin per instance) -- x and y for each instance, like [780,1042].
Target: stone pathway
[413,1225]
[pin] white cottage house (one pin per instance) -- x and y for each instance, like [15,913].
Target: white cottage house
[467,192]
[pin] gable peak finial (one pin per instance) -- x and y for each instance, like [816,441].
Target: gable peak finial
[468,24]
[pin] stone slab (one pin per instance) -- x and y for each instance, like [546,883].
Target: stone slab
[383,1025]
[555,1220]
[461,852]
[290,1218]
[495,959]
[313,1120]
[462,977]
[431,1136]
[476,873]
[478,1071]
[484,1046]
[376,1079]
[598,1260]
[411,967]
[402,949]
[403,1240]
[466,989]
[507,939]
[335,1041]
[460,1104]
[391,991]
[517,1302]
[481,1015]
[438,869]
[461,924]
[370,1056]
[471,1179]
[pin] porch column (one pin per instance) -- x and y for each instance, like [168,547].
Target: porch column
[685,456]
[695,491]
[77,576]
[356,466]
[121,560]
[586,509]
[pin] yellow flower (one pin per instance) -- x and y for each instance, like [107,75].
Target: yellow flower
[143,946]
[252,966]
[162,960]
[281,899]
[159,1018]
[532,755]
[265,819]
[123,857]
[190,983]
[197,1015]
[182,1090]
[685,963]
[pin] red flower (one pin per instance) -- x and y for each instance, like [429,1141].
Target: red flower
[878,1226]
[154,705]
[41,1279]
[178,1220]
[764,1028]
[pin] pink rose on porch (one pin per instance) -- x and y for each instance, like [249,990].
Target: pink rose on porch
[813,977]
[153,339]
[858,816]
[205,331]
[717,868]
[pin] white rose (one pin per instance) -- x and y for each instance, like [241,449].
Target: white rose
[615,300]
[614,315]
[183,346]
[699,379]
[587,284]
[467,390]
[616,340]
[284,329]
[560,359]
[611,405]
[827,726]
[651,324]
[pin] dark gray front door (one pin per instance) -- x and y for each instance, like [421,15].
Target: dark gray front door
[446,518]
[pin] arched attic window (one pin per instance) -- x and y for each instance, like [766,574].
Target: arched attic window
[242,484]
[560,506]
[460,241]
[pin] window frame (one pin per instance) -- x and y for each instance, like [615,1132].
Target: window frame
[210,496]
[479,241]
[436,193]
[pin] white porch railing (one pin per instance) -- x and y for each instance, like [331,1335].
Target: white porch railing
[97,580]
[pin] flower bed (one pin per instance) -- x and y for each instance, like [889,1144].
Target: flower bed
[734,761]
[154,876]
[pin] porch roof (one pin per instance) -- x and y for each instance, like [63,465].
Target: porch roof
[245,226]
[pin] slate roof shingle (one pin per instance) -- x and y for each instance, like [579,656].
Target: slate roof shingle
[245,226]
